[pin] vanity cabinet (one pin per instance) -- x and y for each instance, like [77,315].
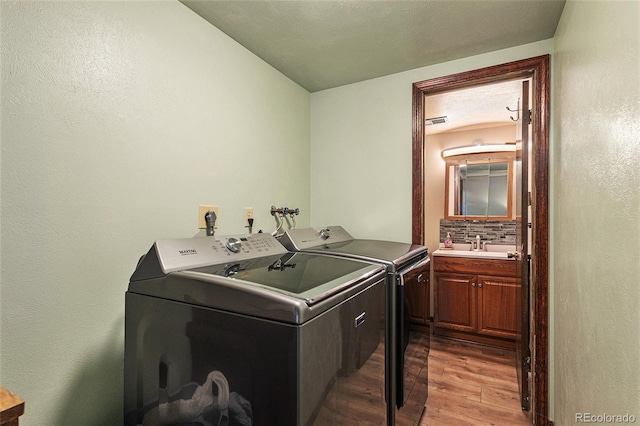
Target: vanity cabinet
[475,299]
[416,285]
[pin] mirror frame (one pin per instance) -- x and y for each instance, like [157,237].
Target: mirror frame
[479,159]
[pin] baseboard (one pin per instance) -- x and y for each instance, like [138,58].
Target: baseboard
[475,338]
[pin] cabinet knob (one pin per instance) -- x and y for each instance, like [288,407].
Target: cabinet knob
[420,278]
[480,285]
[473,284]
[513,255]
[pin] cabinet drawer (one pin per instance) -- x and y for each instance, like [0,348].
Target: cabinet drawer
[474,266]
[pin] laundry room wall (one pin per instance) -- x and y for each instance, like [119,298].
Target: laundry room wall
[597,213]
[361,142]
[118,120]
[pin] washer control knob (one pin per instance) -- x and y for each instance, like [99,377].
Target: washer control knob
[324,233]
[234,244]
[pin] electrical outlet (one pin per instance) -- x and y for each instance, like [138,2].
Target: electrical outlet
[248,214]
[202,223]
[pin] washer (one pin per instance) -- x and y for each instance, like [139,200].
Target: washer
[237,330]
[407,364]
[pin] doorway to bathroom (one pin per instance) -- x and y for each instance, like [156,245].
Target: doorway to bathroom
[533,352]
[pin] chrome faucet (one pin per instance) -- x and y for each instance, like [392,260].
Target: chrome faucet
[477,244]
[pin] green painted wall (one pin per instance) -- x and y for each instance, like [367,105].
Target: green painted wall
[362,134]
[118,120]
[596,198]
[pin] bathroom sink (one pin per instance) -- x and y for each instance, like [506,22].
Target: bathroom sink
[500,248]
[492,251]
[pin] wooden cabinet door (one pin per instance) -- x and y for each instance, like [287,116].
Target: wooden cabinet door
[455,301]
[497,306]
[417,289]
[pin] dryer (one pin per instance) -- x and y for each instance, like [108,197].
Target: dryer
[407,352]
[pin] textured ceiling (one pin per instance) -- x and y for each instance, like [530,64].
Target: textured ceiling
[479,106]
[325,44]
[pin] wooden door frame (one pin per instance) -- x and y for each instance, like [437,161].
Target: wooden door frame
[538,69]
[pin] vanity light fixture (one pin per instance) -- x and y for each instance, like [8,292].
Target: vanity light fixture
[478,149]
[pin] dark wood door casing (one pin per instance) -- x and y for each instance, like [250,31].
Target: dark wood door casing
[522,262]
[536,68]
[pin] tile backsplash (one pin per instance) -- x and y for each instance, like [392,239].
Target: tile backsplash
[496,231]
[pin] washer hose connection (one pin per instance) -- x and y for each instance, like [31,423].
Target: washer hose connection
[210,218]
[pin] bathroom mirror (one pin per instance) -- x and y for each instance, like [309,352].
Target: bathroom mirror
[479,189]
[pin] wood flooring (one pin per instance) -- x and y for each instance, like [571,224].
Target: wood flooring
[472,384]
[469,384]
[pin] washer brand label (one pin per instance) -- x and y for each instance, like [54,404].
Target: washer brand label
[187,252]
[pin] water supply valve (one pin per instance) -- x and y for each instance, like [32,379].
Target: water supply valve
[210,217]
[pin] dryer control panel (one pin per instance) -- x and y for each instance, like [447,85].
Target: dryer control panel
[306,238]
[187,253]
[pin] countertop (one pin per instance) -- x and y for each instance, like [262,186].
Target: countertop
[11,407]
